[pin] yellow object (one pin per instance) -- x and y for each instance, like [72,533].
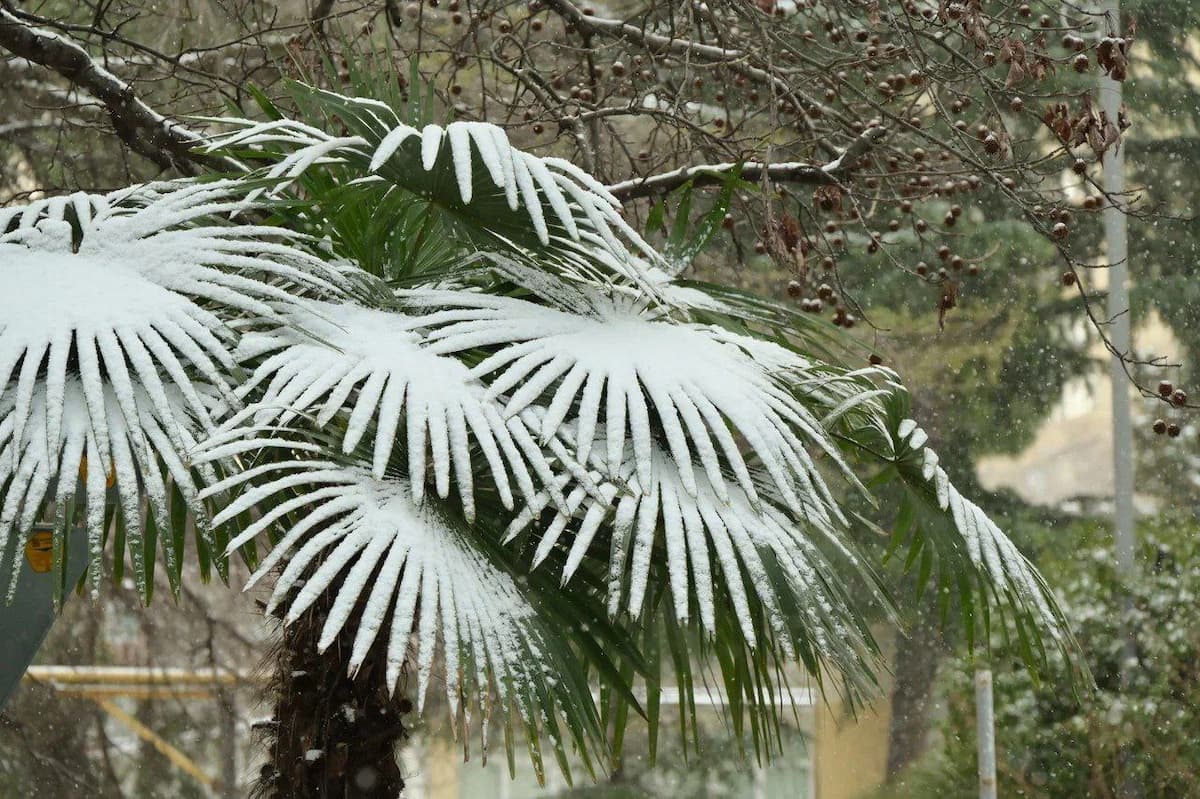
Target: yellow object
[103,684]
[110,481]
[58,676]
[39,551]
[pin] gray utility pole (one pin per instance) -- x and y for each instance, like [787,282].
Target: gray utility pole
[1117,246]
[985,734]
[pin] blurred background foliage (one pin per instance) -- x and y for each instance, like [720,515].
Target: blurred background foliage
[1051,744]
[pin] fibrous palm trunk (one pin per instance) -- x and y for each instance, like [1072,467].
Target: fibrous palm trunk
[332,735]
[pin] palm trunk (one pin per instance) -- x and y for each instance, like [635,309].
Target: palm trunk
[331,735]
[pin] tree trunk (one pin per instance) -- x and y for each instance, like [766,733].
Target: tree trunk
[331,735]
[918,652]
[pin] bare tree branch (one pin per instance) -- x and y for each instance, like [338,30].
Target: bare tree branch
[145,131]
[835,171]
[736,61]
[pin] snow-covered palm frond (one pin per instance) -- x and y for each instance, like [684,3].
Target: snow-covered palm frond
[372,362]
[80,205]
[127,297]
[44,472]
[701,388]
[125,301]
[1001,565]
[729,553]
[975,560]
[426,587]
[468,168]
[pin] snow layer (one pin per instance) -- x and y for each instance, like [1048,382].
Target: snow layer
[563,203]
[423,586]
[373,363]
[113,338]
[702,386]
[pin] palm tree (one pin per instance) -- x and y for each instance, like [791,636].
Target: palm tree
[501,454]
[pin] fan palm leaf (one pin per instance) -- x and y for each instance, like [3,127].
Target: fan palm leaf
[141,457]
[417,582]
[114,336]
[940,519]
[702,388]
[494,194]
[678,452]
[329,357]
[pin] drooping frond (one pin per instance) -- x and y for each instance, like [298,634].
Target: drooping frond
[428,590]
[708,392]
[329,357]
[867,410]
[43,473]
[941,527]
[991,552]
[125,300]
[468,169]
[752,559]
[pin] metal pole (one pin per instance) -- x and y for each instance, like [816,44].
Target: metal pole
[985,734]
[1117,245]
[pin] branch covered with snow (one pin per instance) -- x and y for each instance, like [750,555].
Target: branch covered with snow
[785,172]
[144,130]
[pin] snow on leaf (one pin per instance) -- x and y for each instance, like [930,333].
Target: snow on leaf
[417,578]
[331,357]
[118,304]
[631,373]
[390,144]
[131,301]
[986,546]
[460,149]
[431,142]
[80,204]
[559,199]
[139,454]
[712,549]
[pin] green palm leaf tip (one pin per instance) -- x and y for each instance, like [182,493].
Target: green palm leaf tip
[970,546]
[115,349]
